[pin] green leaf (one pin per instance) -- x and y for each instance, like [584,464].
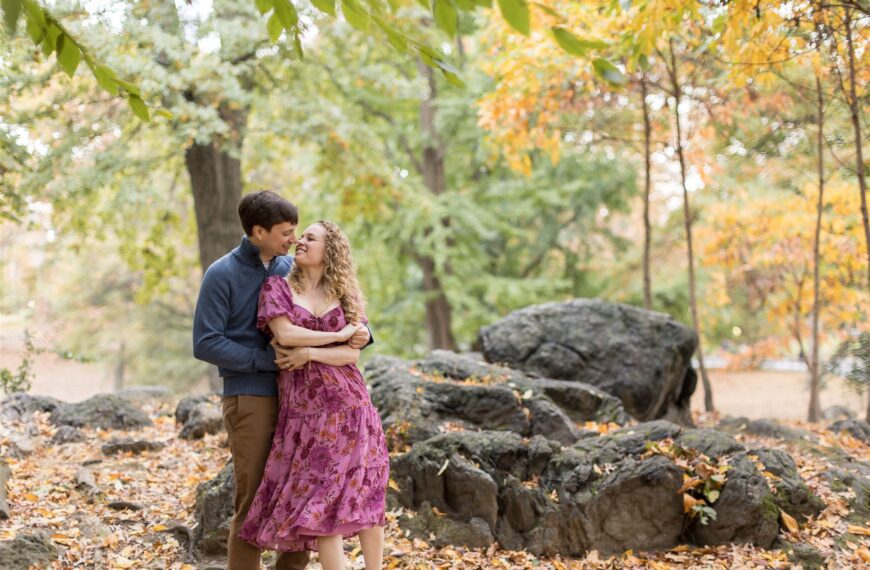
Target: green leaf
[264,6]
[68,54]
[139,108]
[129,87]
[164,113]
[297,44]
[574,45]
[35,30]
[327,6]
[445,16]
[608,72]
[106,78]
[451,74]
[516,12]
[355,15]
[49,42]
[287,13]
[466,5]
[275,28]
[11,12]
[395,36]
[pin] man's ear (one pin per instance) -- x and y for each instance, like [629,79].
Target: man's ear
[257,231]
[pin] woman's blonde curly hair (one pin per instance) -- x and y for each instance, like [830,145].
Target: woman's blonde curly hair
[339,276]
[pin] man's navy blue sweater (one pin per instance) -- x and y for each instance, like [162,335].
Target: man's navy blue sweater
[225,321]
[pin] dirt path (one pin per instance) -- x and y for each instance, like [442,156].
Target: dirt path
[769,394]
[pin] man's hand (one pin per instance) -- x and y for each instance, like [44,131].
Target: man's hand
[360,338]
[291,358]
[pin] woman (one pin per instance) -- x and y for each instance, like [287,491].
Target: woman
[328,468]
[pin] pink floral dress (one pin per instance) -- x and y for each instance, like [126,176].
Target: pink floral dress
[328,468]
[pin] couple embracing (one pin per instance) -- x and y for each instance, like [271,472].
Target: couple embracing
[309,455]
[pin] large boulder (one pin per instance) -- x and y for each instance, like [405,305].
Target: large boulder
[214,512]
[607,493]
[106,411]
[204,418]
[26,551]
[20,406]
[446,391]
[641,357]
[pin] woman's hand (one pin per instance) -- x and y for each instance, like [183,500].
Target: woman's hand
[347,332]
[292,358]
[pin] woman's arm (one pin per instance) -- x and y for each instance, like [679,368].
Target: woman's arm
[288,334]
[335,355]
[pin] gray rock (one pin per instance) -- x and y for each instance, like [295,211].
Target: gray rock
[857,428]
[473,395]
[186,405]
[442,531]
[20,406]
[21,445]
[639,356]
[26,550]
[807,556]
[142,394]
[792,494]
[85,481]
[214,512]
[838,412]
[605,493]
[106,411]
[5,474]
[637,506]
[746,510]
[204,418]
[68,434]
[129,445]
[763,427]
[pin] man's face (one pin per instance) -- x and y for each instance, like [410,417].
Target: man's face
[276,241]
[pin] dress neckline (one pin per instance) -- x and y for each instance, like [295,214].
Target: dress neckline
[312,314]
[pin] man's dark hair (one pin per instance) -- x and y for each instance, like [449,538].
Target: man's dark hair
[265,208]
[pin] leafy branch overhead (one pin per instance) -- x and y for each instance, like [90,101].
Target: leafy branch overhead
[50,34]
[283,16]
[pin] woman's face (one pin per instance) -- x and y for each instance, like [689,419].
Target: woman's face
[311,247]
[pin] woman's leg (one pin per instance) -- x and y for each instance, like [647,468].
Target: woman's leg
[331,552]
[371,540]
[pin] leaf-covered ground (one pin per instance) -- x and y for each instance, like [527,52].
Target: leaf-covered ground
[43,495]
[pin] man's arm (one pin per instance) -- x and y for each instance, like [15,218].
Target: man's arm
[210,343]
[362,338]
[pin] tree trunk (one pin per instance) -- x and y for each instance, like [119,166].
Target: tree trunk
[119,367]
[438,310]
[859,151]
[814,412]
[647,185]
[216,179]
[687,214]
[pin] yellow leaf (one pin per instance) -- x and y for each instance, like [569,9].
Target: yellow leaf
[790,524]
[863,554]
[159,528]
[31,497]
[862,530]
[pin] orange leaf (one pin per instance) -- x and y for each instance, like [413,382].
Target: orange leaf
[790,524]
[689,502]
[862,530]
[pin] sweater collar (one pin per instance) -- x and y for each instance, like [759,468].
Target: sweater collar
[249,253]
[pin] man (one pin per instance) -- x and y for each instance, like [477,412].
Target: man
[225,334]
